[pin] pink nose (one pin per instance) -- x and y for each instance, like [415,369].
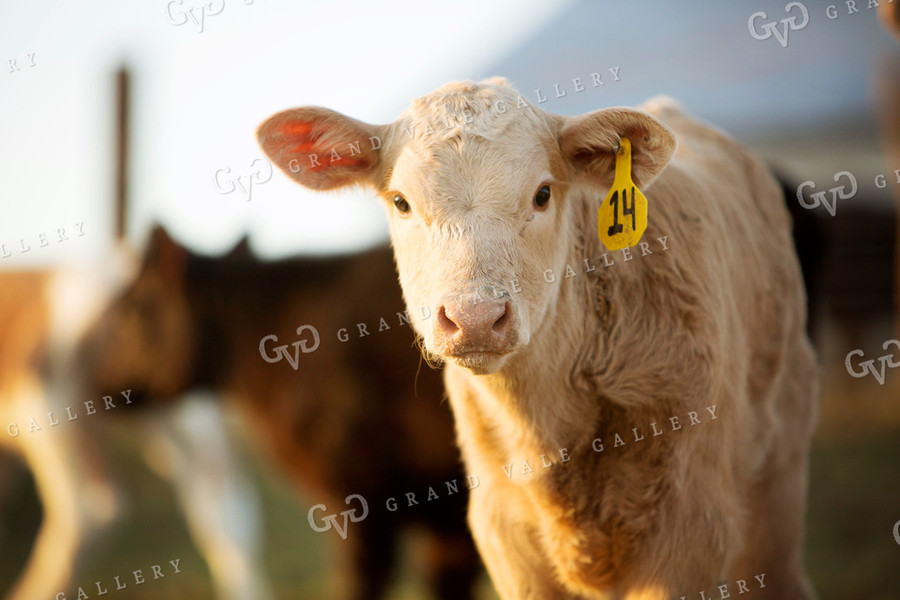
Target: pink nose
[482,327]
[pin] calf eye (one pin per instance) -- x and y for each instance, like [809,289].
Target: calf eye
[542,197]
[401,204]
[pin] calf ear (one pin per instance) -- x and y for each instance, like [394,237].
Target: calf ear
[589,142]
[320,148]
[165,256]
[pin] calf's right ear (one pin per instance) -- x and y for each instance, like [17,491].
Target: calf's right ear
[165,256]
[322,149]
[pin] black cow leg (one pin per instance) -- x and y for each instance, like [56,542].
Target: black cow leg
[371,553]
[452,565]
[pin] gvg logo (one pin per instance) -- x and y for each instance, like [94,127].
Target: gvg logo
[788,24]
[331,521]
[281,352]
[179,14]
[868,366]
[259,172]
[837,193]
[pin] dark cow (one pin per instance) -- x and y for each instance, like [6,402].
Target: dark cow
[363,416]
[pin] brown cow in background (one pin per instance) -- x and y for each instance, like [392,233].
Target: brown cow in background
[363,416]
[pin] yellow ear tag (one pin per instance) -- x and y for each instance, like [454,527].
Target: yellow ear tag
[622,217]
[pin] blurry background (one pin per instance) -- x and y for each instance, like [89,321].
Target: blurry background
[827,102]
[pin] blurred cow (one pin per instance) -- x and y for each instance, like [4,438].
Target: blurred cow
[360,416]
[42,313]
[46,414]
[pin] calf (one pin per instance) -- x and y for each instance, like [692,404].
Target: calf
[359,416]
[486,194]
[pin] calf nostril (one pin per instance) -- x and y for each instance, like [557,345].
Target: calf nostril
[502,322]
[449,326]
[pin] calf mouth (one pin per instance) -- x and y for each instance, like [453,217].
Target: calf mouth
[477,361]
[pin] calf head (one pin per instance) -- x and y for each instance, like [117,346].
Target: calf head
[145,338]
[479,186]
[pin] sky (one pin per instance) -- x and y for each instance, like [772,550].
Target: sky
[198,97]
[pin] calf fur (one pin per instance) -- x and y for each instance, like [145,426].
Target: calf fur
[535,365]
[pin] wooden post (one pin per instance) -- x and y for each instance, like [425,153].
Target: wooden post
[123,99]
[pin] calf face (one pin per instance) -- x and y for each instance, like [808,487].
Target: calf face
[477,185]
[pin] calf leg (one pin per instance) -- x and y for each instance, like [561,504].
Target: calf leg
[367,557]
[774,532]
[508,545]
[773,539]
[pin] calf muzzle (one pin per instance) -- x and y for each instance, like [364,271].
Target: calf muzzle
[469,329]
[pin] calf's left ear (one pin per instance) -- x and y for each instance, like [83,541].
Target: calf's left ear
[589,142]
[322,149]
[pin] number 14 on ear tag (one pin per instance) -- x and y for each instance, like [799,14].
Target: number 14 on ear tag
[622,217]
